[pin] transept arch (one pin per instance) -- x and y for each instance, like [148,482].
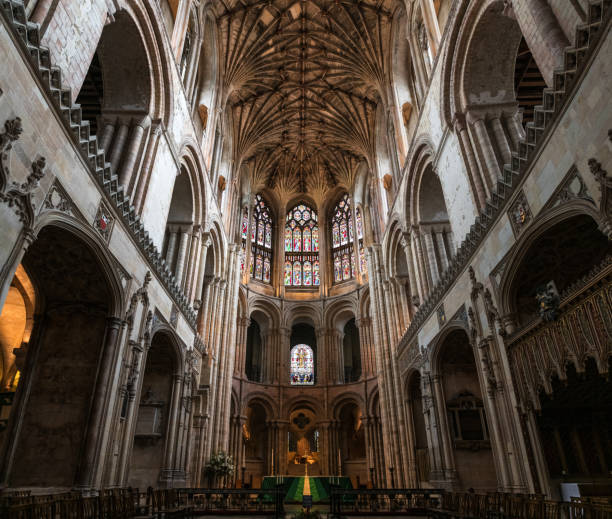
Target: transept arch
[72,281]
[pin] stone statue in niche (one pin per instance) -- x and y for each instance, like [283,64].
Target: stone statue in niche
[548,301]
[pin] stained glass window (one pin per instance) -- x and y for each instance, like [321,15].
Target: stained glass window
[288,273]
[261,241]
[307,273]
[244,235]
[302,247]
[302,365]
[245,224]
[363,265]
[342,237]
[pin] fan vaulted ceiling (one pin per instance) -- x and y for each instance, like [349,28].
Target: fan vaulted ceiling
[303,80]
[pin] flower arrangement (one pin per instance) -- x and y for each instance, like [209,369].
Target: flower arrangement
[219,468]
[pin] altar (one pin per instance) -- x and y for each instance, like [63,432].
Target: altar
[293,486]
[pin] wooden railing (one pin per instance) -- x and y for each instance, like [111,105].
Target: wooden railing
[195,502]
[440,504]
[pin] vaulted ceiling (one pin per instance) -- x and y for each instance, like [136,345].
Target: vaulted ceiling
[303,79]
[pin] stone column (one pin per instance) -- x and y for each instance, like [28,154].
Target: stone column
[118,145]
[131,155]
[502,141]
[171,247]
[420,261]
[442,252]
[487,154]
[181,259]
[415,294]
[430,18]
[194,262]
[174,409]
[181,23]
[479,187]
[197,294]
[107,136]
[239,365]
[516,131]
[100,398]
[147,165]
[447,455]
[431,257]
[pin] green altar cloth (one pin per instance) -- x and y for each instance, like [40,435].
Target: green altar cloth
[293,486]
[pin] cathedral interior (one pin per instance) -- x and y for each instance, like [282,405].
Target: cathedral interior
[353,251]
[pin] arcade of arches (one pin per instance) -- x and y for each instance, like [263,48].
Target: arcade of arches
[370,237]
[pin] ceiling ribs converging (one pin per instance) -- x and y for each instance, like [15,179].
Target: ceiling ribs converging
[303,80]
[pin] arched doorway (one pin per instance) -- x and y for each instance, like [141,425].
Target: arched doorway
[152,450]
[56,418]
[351,443]
[351,352]
[257,450]
[467,431]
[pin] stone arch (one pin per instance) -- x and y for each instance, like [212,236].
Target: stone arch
[552,221]
[303,313]
[350,438]
[265,401]
[158,396]
[133,89]
[482,74]
[98,247]
[431,233]
[298,401]
[436,345]
[340,312]
[461,398]
[66,361]
[348,398]
[259,412]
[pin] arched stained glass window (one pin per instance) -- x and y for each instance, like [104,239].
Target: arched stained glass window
[302,247]
[261,241]
[302,365]
[343,254]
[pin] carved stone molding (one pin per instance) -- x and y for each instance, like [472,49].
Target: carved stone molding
[12,132]
[520,214]
[441,315]
[605,204]
[19,197]
[104,221]
[58,200]
[572,188]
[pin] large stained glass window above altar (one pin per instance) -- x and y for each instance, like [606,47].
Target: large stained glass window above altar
[302,248]
[302,365]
